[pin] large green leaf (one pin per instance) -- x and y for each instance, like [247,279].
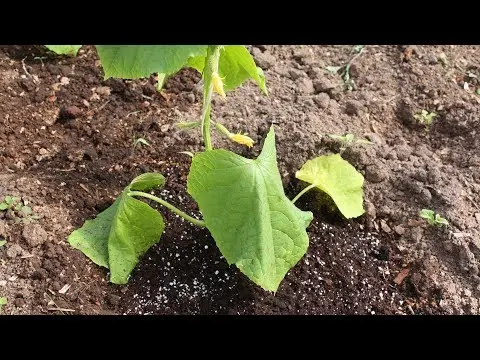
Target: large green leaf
[138,61]
[235,65]
[64,49]
[255,226]
[119,235]
[339,179]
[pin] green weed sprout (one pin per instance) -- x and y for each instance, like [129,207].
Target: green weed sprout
[432,218]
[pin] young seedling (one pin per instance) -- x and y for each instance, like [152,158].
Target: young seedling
[139,141]
[432,218]
[425,118]
[2,243]
[16,208]
[344,70]
[3,302]
[348,140]
[255,227]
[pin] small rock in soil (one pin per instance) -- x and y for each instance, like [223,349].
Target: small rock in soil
[117,85]
[370,209]
[113,300]
[27,84]
[353,107]
[403,152]
[149,89]
[322,100]
[191,98]
[425,197]
[323,85]
[40,274]
[416,234]
[90,154]
[103,91]
[376,174]
[13,251]
[375,138]
[399,229]
[34,234]
[70,113]
[303,56]
[385,227]
[305,86]
[3,228]
[19,302]
[295,74]
[264,60]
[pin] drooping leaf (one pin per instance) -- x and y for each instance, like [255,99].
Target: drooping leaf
[138,61]
[135,228]
[64,49]
[255,226]
[92,237]
[235,66]
[123,232]
[339,179]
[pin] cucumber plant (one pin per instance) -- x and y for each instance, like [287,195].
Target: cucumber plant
[432,218]
[242,201]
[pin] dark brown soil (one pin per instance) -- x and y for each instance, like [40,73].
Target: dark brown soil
[68,139]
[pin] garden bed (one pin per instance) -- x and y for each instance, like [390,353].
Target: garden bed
[67,140]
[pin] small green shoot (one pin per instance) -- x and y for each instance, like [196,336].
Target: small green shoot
[432,218]
[140,141]
[18,208]
[344,70]
[425,118]
[3,302]
[348,140]
[2,243]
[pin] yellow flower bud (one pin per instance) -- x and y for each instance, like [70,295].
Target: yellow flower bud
[218,84]
[242,139]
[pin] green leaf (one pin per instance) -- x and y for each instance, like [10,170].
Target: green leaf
[2,243]
[255,226]
[139,61]
[441,220]
[64,49]
[339,179]
[140,141]
[122,233]
[8,200]
[4,206]
[3,301]
[428,215]
[235,66]
[147,181]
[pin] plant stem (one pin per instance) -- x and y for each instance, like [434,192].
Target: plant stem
[169,206]
[211,66]
[309,187]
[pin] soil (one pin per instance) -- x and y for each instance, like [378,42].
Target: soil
[67,140]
